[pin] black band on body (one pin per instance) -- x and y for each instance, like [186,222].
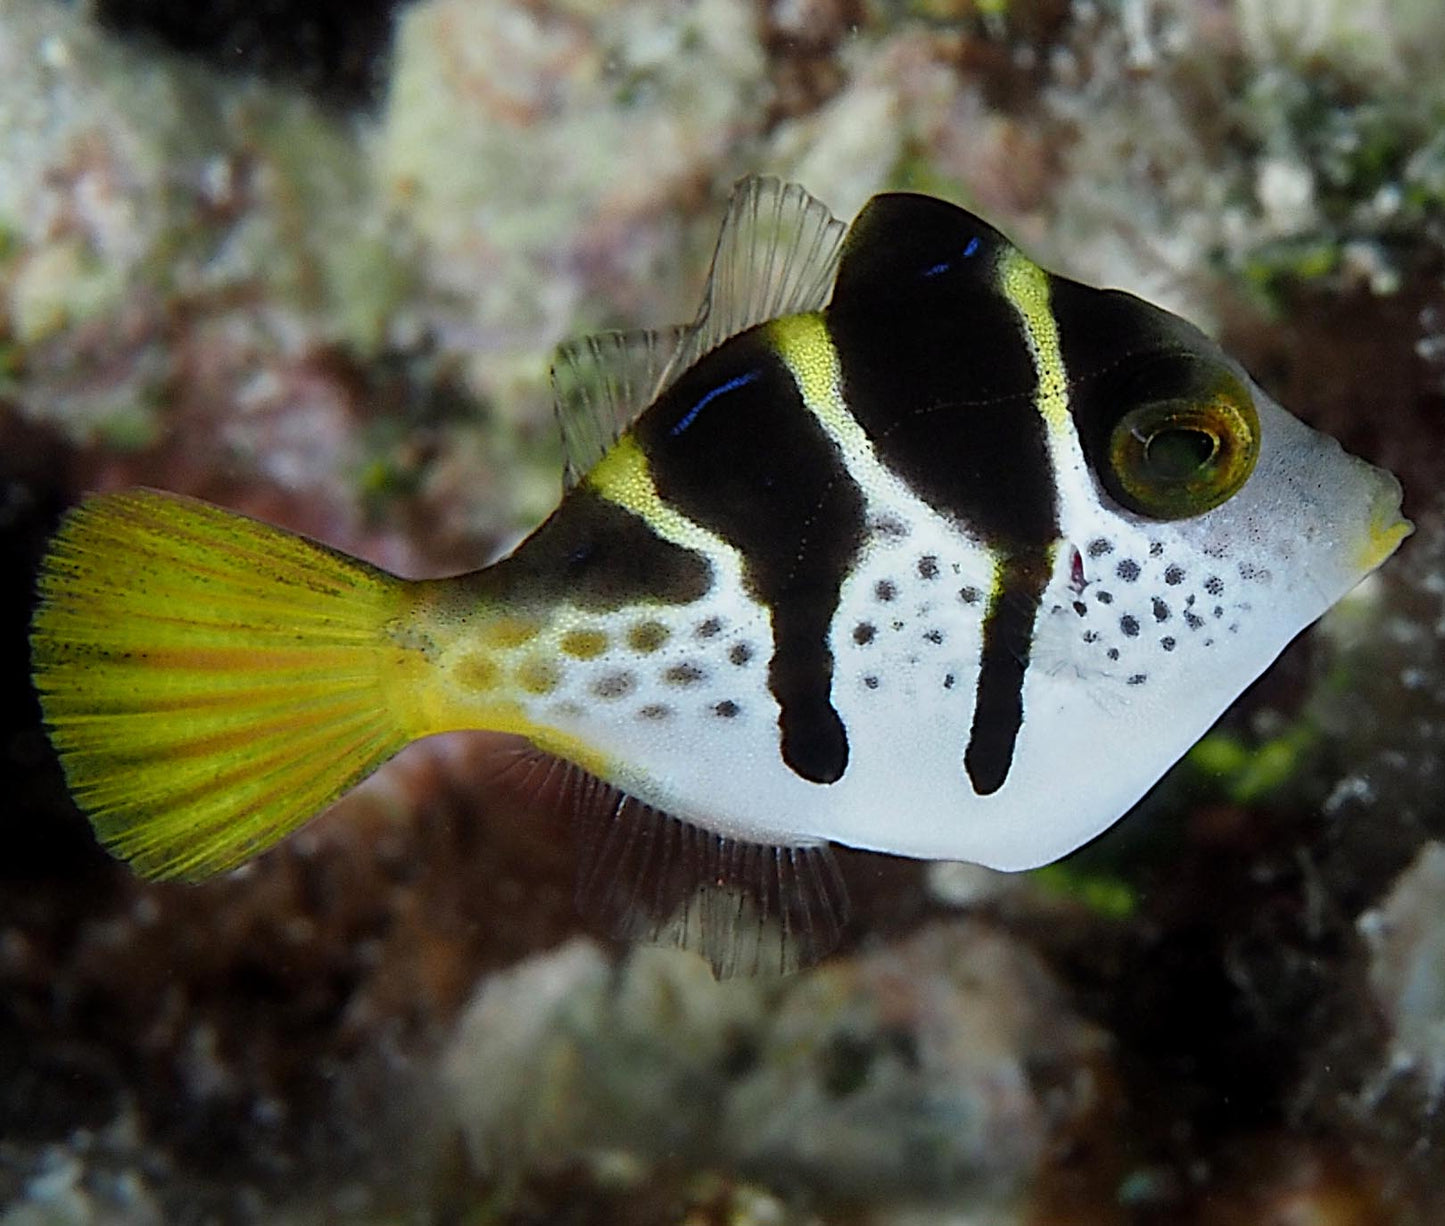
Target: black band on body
[938,372]
[732,446]
[599,556]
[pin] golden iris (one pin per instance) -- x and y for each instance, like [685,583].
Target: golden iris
[1184,454]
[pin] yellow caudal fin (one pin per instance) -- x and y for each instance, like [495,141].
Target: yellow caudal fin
[211,682]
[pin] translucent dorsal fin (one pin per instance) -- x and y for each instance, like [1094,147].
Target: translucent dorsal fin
[777,254]
[643,875]
[600,384]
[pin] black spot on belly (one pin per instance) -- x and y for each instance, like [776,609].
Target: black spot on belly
[732,446]
[864,633]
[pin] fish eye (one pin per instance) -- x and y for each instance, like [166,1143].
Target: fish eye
[1188,442]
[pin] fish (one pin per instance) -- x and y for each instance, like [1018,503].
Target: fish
[903,544]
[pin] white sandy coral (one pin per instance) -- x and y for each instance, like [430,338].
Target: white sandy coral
[525,143]
[1406,935]
[906,1073]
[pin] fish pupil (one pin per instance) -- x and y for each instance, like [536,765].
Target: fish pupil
[1179,452]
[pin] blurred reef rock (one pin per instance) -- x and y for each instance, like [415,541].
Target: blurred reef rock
[1407,969]
[948,1066]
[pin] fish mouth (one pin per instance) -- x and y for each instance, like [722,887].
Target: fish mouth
[1385,527]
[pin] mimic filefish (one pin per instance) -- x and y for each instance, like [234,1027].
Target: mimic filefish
[905,543]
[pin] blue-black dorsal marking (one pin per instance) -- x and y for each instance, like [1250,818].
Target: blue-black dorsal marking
[937,372]
[731,445]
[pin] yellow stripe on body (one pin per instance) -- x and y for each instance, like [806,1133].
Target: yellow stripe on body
[624,477]
[1026,286]
[808,351]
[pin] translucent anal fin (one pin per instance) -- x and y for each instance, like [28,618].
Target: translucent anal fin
[777,254]
[747,908]
[600,384]
[644,875]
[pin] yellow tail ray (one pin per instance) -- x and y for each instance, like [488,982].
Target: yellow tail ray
[212,682]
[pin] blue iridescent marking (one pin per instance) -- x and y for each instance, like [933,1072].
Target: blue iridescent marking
[730,386]
[944,265]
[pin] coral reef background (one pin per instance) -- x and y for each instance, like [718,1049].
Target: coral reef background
[310,260]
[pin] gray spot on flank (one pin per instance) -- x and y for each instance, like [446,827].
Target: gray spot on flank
[709,629]
[684,674]
[614,685]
